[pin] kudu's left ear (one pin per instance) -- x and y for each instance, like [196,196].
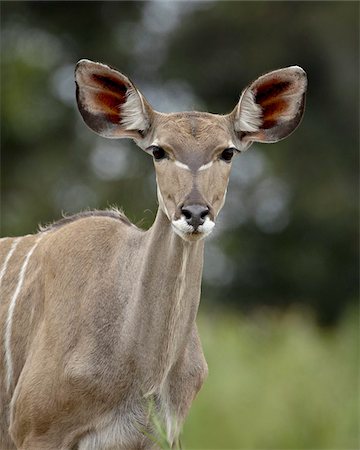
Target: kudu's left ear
[109,102]
[271,107]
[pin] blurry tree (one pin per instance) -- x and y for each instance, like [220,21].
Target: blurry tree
[288,232]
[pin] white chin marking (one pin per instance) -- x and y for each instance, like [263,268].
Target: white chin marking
[186,231]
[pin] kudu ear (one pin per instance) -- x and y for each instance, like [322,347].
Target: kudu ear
[109,102]
[271,107]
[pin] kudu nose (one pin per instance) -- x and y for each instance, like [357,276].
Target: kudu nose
[195,214]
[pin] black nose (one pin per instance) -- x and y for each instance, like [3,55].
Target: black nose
[195,214]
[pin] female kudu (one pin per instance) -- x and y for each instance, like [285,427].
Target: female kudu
[98,316]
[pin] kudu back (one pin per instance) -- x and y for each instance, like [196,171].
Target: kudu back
[97,316]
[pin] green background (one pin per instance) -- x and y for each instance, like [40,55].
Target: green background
[279,305]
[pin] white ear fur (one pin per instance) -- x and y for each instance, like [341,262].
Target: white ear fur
[271,107]
[133,115]
[248,115]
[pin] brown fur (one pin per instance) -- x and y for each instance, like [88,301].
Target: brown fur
[73,331]
[113,213]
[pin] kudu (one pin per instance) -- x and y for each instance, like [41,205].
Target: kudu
[98,316]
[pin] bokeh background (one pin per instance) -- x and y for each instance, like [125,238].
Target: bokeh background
[279,313]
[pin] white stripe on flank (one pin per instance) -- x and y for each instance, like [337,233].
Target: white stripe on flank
[8,256]
[8,324]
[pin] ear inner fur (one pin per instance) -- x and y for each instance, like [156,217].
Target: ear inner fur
[109,102]
[271,107]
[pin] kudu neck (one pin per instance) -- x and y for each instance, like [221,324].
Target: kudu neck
[171,262]
[182,258]
[169,285]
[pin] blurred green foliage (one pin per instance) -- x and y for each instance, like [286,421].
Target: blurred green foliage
[288,233]
[276,382]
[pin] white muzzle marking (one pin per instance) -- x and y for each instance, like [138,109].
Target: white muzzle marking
[207,227]
[184,230]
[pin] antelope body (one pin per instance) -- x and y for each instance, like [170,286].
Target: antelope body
[97,317]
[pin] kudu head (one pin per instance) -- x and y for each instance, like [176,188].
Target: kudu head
[192,151]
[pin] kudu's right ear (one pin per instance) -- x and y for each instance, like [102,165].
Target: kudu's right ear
[271,107]
[109,102]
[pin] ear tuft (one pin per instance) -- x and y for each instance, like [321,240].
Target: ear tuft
[109,102]
[271,107]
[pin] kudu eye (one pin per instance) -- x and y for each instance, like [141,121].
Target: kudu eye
[158,152]
[227,154]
